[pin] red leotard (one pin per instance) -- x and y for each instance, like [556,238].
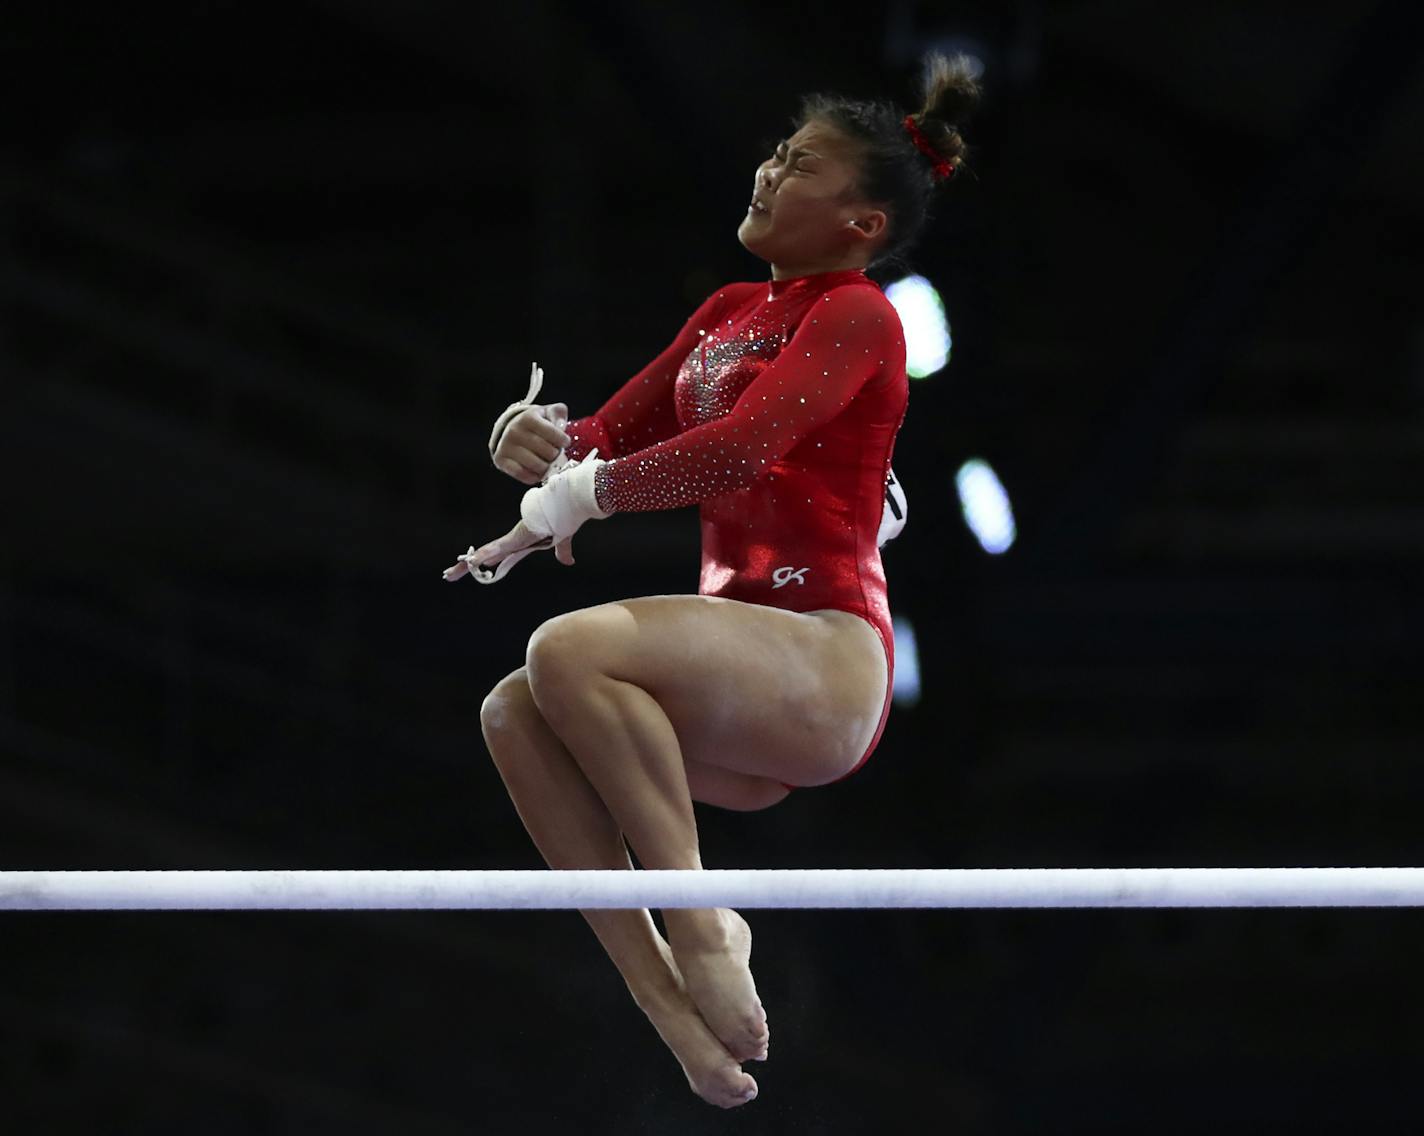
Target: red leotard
[775,410]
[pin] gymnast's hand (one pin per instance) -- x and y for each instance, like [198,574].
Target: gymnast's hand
[530,442]
[490,561]
[549,515]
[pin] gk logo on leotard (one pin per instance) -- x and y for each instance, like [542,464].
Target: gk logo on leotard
[784,576]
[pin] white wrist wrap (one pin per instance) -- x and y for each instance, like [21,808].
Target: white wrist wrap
[563,503]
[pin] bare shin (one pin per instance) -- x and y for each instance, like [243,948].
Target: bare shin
[572,827]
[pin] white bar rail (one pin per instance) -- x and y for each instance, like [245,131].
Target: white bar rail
[761,888]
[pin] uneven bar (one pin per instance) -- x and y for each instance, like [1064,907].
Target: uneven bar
[367,890]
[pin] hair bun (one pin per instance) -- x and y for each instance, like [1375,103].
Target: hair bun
[951,93]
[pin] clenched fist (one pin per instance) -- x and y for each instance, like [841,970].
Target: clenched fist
[531,440]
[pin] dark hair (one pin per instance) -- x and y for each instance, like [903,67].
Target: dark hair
[892,169]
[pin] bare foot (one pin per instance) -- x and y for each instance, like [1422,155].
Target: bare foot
[710,1069]
[715,963]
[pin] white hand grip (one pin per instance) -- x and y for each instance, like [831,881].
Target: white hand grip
[485,576]
[536,382]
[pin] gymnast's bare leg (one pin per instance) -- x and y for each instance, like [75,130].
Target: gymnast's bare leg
[572,828]
[652,698]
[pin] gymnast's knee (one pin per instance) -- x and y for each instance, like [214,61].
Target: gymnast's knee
[504,705]
[560,651]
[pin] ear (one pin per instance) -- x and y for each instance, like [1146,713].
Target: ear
[868,225]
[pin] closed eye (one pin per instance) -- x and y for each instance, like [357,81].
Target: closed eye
[783,155]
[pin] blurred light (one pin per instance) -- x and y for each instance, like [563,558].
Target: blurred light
[927,339]
[986,505]
[906,691]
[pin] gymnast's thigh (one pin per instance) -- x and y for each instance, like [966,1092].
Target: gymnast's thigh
[511,699]
[790,696]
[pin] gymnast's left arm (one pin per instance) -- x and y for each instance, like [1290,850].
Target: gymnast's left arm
[841,343]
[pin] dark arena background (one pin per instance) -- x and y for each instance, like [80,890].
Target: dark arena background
[268,274]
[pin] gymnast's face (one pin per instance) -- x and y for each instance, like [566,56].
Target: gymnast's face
[806,215]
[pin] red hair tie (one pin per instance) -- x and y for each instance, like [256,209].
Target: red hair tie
[942,168]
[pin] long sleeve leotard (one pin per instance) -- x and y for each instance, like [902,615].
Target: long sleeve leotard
[775,410]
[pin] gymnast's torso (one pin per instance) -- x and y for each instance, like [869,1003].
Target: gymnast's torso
[775,411]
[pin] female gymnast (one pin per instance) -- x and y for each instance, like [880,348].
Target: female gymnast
[774,410]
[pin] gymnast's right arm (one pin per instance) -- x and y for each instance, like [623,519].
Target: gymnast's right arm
[642,413]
